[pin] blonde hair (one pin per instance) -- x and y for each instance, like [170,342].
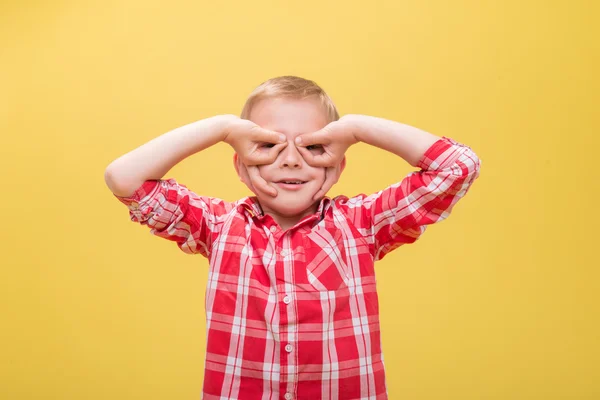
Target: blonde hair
[291,87]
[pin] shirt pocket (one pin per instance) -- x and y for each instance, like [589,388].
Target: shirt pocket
[325,255]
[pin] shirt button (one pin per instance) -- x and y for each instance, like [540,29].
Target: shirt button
[287,299]
[288,348]
[288,396]
[273,228]
[284,253]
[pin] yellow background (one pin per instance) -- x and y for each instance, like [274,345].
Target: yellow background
[498,302]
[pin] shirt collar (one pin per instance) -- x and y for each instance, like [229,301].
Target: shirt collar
[251,207]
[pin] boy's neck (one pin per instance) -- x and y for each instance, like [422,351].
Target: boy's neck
[286,222]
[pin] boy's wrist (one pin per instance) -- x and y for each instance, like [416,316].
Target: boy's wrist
[222,123]
[357,124]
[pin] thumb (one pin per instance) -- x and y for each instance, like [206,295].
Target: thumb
[268,136]
[307,139]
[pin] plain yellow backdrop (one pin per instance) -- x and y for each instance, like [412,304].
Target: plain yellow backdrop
[500,301]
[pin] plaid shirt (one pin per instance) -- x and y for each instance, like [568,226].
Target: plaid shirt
[294,314]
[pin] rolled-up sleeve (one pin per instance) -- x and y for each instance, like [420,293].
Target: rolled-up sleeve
[175,213]
[400,213]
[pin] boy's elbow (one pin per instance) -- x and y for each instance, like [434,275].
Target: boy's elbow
[470,164]
[476,166]
[116,185]
[111,182]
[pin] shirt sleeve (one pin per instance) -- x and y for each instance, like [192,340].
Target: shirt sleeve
[400,213]
[175,213]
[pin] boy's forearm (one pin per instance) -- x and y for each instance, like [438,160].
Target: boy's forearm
[405,141]
[155,158]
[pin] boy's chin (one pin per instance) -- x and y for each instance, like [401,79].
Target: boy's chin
[287,207]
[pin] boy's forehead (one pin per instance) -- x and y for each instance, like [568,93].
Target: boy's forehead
[289,116]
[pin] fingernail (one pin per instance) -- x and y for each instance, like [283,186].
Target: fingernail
[282,138]
[298,140]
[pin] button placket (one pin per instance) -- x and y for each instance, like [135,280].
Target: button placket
[285,258]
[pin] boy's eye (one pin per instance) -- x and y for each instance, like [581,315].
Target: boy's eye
[268,145]
[314,147]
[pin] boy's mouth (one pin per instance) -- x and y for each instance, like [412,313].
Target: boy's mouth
[290,184]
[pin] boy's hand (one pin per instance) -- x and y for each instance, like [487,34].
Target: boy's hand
[326,148]
[251,175]
[254,146]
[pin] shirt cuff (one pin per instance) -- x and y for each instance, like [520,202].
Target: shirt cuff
[138,201]
[438,155]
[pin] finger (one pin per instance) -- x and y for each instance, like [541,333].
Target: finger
[274,152]
[330,180]
[259,183]
[318,137]
[307,155]
[317,160]
[267,136]
[263,155]
[327,184]
[244,177]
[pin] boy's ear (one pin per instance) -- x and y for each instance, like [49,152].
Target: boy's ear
[338,171]
[342,164]
[341,169]
[237,164]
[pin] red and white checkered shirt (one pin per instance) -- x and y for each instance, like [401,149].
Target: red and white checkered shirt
[294,314]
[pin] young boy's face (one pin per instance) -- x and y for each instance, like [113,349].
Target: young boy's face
[291,117]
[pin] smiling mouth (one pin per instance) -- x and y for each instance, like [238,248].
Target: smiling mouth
[292,182]
[290,185]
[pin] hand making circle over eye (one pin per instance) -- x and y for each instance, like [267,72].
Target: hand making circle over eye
[326,148]
[254,146]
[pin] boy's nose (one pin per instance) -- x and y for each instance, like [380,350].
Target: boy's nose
[291,157]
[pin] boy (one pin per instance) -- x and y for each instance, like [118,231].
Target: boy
[291,303]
